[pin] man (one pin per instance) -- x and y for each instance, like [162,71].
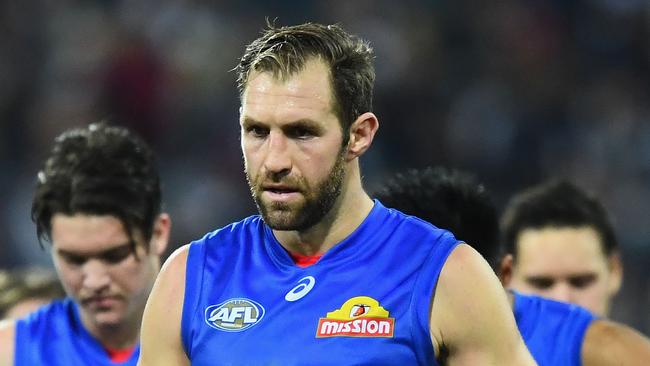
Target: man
[25,290]
[98,202]
[556,333]
[562,246]
[325,275]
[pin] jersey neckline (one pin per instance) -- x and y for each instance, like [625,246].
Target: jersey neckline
[340,252]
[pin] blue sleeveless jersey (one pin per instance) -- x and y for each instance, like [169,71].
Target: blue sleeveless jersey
[365,302]
[54,336]
[553,331]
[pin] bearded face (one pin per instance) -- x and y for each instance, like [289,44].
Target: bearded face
[293,202]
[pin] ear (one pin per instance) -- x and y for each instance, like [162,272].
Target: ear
[615,273]
[160,236]
[505,270]
[362,132]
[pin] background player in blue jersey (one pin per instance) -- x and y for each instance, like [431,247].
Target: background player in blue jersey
[562,246]
[306,95]
[556,333]
[98,202]
[24,290]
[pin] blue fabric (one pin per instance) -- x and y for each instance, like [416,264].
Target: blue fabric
[553,331]
[239,279]
[55,336]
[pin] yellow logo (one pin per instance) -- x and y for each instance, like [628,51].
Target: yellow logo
[360,316]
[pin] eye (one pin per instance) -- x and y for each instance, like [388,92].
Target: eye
[301,132]
[257,131]
[540,283]
[73,260]
[117,255]
[582,281]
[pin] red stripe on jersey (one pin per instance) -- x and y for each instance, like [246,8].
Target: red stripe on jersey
[120,355]
[304,261]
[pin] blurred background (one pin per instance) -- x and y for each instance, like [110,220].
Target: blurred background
[516,92]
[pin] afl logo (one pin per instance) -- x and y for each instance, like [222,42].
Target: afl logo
[305,285]
[234,315]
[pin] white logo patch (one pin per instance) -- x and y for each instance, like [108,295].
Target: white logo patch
[305,285]
[234,315]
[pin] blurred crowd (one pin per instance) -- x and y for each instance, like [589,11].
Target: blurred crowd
[514,91]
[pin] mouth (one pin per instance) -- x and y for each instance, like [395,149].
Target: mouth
[100,302]
[280,193]
[279,190]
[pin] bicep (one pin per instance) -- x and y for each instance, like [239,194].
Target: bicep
[610,343]
[160,340]
[7,342]
[470,315]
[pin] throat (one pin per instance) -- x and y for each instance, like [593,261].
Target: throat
[304,261]
[120,355]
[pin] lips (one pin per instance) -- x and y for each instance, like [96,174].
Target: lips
[101,301]
[280,193]
[279,189]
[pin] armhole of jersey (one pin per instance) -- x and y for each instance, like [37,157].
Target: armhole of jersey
[21,349]
[586,318]
[519,306]
[193,284]
[423,292]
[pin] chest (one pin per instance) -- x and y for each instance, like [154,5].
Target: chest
[252,312]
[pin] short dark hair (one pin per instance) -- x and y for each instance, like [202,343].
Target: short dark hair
[556,203]
[451,200]
[99,170]
[285,50]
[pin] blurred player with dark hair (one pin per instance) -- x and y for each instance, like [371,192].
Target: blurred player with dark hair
[556,333]
[562,246]
[98,202]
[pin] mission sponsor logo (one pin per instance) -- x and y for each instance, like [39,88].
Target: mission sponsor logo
[234,315]
[360,316]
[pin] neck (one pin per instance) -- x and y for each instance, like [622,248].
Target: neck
[351,208]
[120,336]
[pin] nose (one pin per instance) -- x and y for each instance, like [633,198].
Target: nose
[277,162]
[95,276]
[561,291]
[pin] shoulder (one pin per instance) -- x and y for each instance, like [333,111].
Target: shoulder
[161,322]
[58,311]
[553,331]
[470,315]
[413,227]
[608,343]
[464,276]
[7,342]
[463,266]
[229,233]
[530,306]
[174,267]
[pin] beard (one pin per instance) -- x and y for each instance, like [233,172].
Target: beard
[317,202]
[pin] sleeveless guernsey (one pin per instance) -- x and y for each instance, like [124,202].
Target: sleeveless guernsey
[365,302]
[55,336]
[553,331]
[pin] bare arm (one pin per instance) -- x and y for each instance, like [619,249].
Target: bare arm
[608,343]
[471,321]
[161,325]
[7,342]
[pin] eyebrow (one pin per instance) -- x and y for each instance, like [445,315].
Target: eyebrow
[304,122]
[100,253]
[552,277]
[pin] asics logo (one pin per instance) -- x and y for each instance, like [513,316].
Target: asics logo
[305,285]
